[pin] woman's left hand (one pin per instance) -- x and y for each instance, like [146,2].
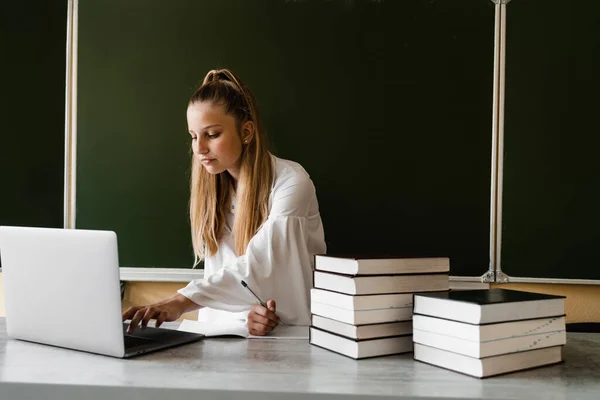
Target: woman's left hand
[262,320]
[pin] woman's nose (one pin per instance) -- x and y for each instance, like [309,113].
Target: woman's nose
[201,147]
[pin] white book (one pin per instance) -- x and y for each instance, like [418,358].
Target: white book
[361,317]
[362,332]
[370,265]
[364,302]
[489,366]
[488,305]
[491,348]
[381,284]
[358,349]
[490,332]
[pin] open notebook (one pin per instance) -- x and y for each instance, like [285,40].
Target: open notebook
[241,330]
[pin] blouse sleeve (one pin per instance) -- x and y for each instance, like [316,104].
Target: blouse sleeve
[276,255]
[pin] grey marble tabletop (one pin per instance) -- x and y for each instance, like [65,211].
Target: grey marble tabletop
[277,369]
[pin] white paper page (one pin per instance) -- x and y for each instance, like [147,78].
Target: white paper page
[211,330]
[285,332]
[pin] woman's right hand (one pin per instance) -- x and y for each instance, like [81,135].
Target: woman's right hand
[261,320]
[165,311]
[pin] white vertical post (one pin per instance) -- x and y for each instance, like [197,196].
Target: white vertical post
[494,273]
[70,116]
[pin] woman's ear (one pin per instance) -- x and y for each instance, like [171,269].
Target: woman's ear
[247,132]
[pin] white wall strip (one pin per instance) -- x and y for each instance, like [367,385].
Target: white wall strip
[456,282]
[160,274]
[513,279]
[465,279]
[462,285]
[186,275]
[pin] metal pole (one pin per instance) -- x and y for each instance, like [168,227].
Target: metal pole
[500,276]
[497,142]
[70,116]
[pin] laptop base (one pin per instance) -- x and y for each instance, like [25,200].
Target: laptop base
[151,339]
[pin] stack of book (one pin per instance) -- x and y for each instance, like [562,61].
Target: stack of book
[488,332]
[362,307]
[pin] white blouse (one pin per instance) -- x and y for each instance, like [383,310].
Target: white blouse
[279,259]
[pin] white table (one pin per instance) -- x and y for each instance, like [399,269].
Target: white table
[276,369]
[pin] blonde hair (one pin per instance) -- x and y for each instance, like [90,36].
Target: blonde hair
[210,195]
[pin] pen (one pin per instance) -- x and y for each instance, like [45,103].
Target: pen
[262,303]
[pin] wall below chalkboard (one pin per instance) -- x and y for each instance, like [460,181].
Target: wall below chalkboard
[581,304]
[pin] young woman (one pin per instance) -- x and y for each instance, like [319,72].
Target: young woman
[254,217]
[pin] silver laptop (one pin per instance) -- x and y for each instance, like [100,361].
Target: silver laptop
[62,288]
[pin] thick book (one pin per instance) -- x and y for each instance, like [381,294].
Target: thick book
[381,284]
[361,317]
[363,302]
[489,366]
[358,349]
[488,305]
[361,332]
[481,341]
[384,265]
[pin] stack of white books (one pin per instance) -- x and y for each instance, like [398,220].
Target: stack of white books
[362,307]
[488,332]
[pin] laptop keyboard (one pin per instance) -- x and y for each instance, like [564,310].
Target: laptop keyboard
[133,341]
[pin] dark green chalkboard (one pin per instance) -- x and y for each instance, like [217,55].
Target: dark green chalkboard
[551,163]
[387,104]
[32,104]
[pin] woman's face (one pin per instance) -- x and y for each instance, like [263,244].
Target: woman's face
[215,138]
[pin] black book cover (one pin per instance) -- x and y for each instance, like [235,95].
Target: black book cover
[489,296]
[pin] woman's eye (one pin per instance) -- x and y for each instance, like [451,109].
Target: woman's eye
[213,136]
[194,138]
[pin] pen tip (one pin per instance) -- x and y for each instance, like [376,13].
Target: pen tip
[243,283]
